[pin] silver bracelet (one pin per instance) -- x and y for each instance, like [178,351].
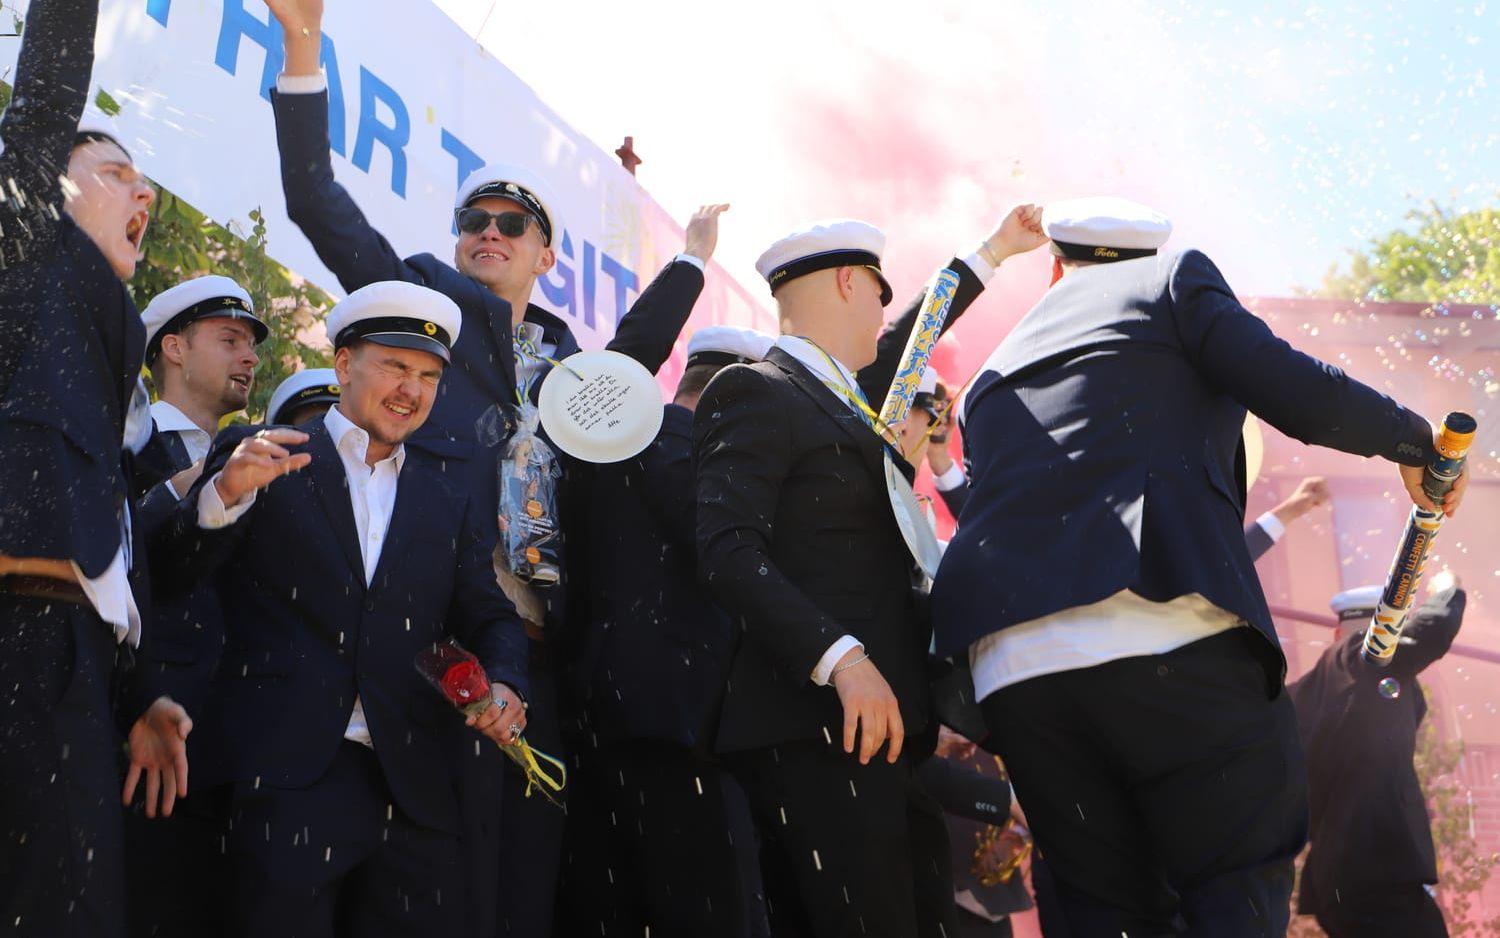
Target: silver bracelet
[844,667]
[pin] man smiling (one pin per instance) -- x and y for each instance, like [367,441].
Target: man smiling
[344,819]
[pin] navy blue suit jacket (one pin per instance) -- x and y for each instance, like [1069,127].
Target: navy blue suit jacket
[482,374]
[1102,441]
[305,635]
[655,648]
[70,338]
[1369,817]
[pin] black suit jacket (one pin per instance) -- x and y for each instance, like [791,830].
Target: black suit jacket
[1369,817]
[482,374]
[305,635]
[798,544]
[1103,447]
[653,655]
[70,339]
[184,634]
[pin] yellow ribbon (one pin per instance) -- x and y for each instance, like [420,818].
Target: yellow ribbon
[521,753]
[854,398]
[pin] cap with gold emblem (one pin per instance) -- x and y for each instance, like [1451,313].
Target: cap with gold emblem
[211,297]
[397,314]
[308,386]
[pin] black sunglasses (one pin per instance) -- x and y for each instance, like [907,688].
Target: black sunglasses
[476,220]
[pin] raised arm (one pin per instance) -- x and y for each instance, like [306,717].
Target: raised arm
[343,238]
[1019,231]
[51,88]
[1304,398]
[648,332]
[743,452]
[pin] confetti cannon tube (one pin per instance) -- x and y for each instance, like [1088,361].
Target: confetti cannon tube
[924,335]
[1416,542]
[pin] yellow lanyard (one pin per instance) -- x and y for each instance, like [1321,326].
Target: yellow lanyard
[523,755]
[942,415]
[851,395]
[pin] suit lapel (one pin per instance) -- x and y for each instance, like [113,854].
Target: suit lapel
[332,486]
[870,444]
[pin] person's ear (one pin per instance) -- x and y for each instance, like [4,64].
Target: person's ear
[343,359]
[174,348]
[544,261]
[844,277]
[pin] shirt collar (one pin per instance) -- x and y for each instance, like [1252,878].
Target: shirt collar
[355,440]
[821,364]
[166,416]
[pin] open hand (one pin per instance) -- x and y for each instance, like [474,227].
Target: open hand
[158,751]
[703,231]
[870,709]
[259,460]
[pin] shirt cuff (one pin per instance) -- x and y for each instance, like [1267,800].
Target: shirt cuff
[689,258]
[981,267]
[823,673]
[212,514]
[301,84]
[949,480]
[1272,525]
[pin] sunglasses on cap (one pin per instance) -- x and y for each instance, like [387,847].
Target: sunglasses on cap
[476,220]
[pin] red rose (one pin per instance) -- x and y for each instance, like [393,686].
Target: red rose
[465,684]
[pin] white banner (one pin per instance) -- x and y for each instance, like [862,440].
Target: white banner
[415,104]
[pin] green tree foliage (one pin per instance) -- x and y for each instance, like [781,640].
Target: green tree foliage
[1441,256]
[182,243]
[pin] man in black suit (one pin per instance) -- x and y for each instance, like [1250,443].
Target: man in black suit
[200,346]
[659,835]
[1371,865]
[1101,586]
[799,545]
[333,580]
[72,215]
[509,233]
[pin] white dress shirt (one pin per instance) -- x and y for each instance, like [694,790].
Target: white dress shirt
[1125,625]
[197,441]
[372,494]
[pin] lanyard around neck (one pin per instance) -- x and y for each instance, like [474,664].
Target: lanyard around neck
[853,396]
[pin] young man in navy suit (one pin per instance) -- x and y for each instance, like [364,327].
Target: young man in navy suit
[1102,589]
[339,559]
[509,234]
[72,216]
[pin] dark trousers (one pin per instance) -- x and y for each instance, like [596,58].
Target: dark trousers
[1168,792]
[659,842]
[1394,912]
[340,858]
[176,869]
[847,849]
[61,854]
[531,829]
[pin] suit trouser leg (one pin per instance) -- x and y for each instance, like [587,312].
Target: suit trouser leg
[1167,791]
[61,851]
[839,832]
[531,829]
[673,843]
[176,871]
[338,858]
[1397,912]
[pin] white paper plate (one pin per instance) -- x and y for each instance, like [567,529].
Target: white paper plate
[912,520]
[600,406]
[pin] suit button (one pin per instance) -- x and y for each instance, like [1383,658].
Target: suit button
[1161,670]
[369,605]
